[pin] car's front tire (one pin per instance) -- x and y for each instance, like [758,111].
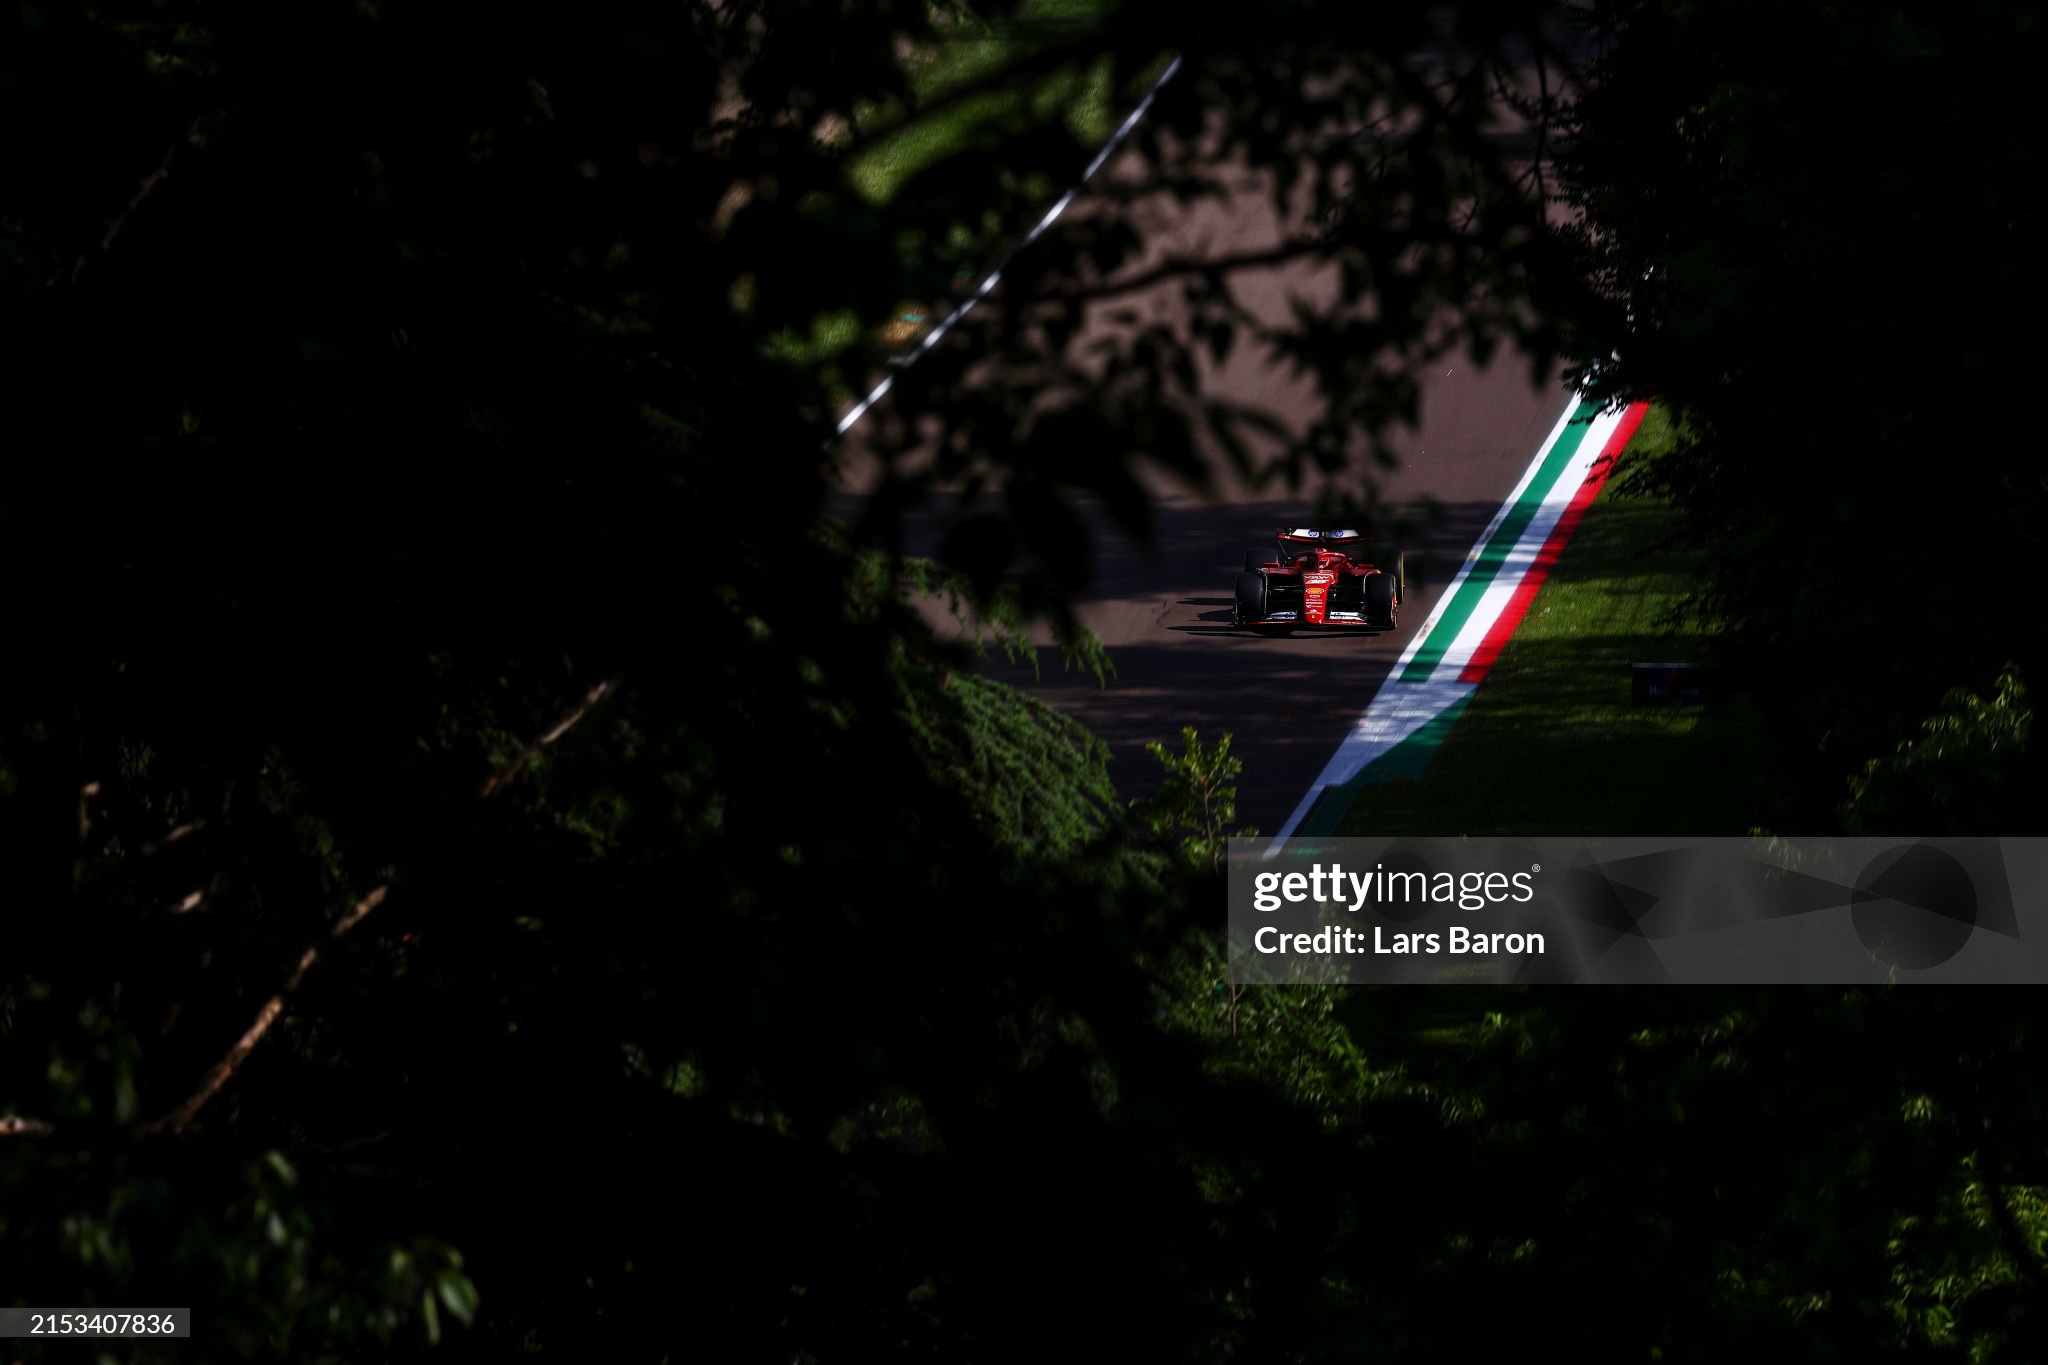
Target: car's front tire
[1251,598]
[1381,593]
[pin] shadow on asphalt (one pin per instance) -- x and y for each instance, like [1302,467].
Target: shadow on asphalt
[1196,543]
[1288,710]
[1288,700]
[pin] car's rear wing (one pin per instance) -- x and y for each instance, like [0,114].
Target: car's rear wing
[1334,540]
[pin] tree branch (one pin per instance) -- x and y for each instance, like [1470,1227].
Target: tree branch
[224,1070]
[149,183]
[86,792]
[272,1009]
[497,780]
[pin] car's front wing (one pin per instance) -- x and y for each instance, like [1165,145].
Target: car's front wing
[1333,618]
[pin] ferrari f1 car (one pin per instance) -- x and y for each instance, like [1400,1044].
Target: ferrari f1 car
[1319,578]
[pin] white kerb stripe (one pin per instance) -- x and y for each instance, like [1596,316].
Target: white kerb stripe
[1522,557]
[1416,641]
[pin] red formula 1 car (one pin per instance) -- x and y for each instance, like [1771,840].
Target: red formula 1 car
[1319,578]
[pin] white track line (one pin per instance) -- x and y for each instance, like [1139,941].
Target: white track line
[981,291]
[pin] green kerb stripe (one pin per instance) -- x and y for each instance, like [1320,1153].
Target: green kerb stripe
[1405,762]
[1466,599]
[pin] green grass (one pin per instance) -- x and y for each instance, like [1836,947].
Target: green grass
[1550,742]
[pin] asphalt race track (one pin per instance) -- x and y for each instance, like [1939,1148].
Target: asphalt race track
[1164,612]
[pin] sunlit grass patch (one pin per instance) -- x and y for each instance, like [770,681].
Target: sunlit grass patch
[1552,743]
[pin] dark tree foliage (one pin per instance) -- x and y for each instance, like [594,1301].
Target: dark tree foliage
[492,869]
[478,844]
[1815,231]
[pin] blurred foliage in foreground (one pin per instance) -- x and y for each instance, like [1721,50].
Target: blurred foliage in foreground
[491,869]
[1816,250]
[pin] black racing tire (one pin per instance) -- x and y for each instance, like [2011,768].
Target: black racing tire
[1258,557]
[1251,598]
[1400,577]
[1381,594]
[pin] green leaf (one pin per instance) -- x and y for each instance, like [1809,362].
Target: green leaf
[459,1294]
